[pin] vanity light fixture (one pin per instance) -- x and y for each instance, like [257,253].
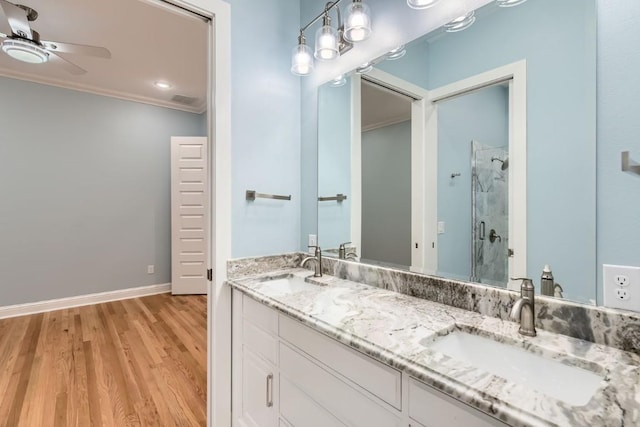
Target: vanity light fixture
[357,27]
[162,85]
[421,4]
[302,58]
[509,3]
[326,40]
[331,42]
[460,23]
[396,53]
[25,51]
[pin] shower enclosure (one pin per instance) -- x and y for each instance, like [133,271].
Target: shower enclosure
[489,214]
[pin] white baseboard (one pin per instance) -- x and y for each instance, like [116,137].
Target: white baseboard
[78,301]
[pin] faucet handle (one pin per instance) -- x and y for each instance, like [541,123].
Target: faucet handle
[344,245]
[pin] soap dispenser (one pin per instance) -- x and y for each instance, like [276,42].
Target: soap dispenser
[547,283]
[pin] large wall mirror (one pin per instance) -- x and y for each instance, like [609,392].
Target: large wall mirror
[470,155]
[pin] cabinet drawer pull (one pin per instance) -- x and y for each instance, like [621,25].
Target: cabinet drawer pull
[269,390]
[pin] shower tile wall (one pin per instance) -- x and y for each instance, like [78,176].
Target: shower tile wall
[490,212]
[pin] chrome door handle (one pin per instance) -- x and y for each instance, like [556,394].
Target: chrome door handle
[269,390]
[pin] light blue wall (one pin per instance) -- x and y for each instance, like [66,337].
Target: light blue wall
[265,114]
[482,116]
[618,130]
[334,164]
[84,192]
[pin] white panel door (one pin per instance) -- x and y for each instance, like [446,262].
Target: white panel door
[189,220]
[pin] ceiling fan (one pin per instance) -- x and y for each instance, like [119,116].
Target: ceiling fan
[24,44]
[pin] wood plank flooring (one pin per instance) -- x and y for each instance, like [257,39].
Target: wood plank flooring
[136,362]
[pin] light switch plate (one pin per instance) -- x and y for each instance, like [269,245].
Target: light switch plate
[313,241]
[621,287]
[440,227]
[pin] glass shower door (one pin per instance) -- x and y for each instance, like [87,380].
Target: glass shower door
[490,214]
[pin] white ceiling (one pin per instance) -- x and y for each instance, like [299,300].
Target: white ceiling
[383,107]
[148,40]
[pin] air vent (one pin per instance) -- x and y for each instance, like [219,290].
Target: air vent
[186,100]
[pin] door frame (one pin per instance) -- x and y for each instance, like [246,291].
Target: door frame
[219,136]
[419,109]
[516,74]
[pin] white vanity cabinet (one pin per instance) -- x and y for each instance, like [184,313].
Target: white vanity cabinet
[286,374]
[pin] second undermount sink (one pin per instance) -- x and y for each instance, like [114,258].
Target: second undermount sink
[571,384]
[286,284]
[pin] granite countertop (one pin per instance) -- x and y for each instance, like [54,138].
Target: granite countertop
[389,327]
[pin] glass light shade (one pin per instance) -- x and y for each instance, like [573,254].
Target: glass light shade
[338,81]
[396,53]
[460,23]
[301,60]
[421,4]
[25,51]
[326,43]
[357,27]
[509,3]
[364,68]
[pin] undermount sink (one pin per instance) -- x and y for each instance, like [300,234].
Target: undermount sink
[287,284]
[571,384]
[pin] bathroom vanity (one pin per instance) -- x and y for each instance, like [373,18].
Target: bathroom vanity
[333,352]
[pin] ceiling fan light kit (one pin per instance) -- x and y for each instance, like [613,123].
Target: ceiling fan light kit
[23,44]
[25,51]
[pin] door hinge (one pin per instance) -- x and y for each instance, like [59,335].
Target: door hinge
[510,253]
[210,275]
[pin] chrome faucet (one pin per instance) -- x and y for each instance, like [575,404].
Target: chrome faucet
[317,259]
[523,310]
[343,254]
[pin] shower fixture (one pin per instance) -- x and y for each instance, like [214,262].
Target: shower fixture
[505,162]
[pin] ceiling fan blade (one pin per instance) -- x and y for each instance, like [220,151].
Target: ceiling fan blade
[17,19]
[68,66]
[81,49]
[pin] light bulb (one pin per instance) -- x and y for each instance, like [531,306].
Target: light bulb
[326,42]
[357,27]
[301,59]
[421,4]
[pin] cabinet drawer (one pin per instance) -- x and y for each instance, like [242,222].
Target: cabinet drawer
[377,378]
[260,342]
[435,409]
[302,411]
[260,315]
[337,397]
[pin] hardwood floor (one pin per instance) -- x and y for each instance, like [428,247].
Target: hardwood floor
[136,362]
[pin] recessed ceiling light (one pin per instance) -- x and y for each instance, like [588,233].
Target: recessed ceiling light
[25,51]
[162,85]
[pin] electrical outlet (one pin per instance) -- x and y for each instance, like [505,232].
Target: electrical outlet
[313,241]
[151,269]
[621,280]
[622,294]
[621,287]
